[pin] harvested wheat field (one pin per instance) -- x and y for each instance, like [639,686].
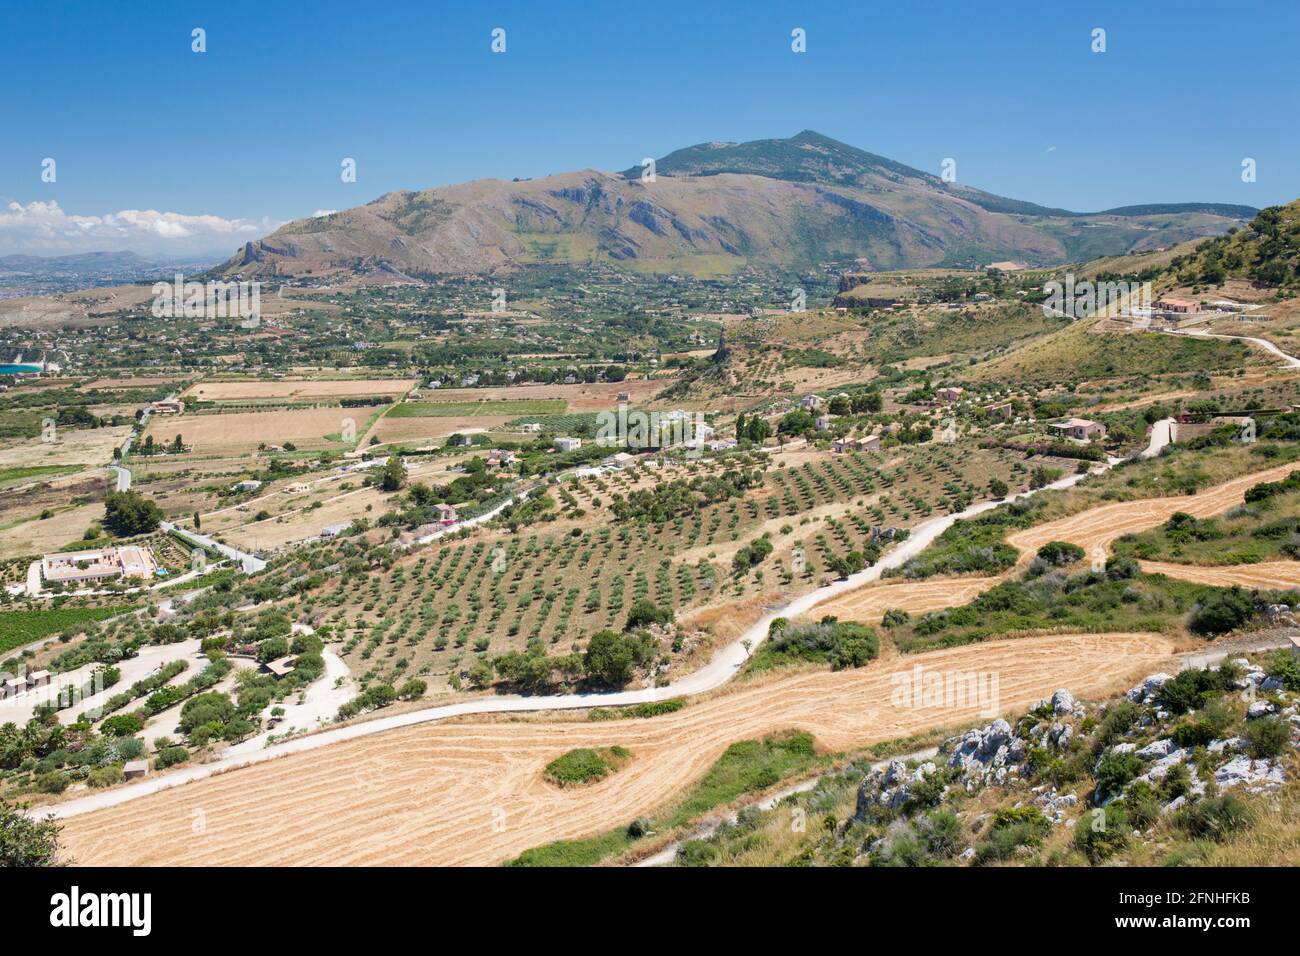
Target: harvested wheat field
[581,397]
[1092,529]
[300,391]
[1281,575]
[1098,527]
[473,793]
[869,604]
[307,427]
[73,446]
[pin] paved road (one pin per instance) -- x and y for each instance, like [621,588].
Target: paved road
[123,477]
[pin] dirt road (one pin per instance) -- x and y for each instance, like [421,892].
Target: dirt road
[472,793]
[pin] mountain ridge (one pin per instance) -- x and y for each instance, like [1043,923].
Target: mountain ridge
[713,208]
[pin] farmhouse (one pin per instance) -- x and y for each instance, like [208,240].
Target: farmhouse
[132,561]
[568,444]
[167,406]
[13,687]
[446,515]
[1172,304]
[1002,410]
[950,393]
[38,679]
[280,667]
[135,769]
[248,484]
[842,445]
[334,530]
[621,460]
[530,428]
[1082,429]
[812,402]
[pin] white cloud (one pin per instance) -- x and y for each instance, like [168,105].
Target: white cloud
[323,212]
[43,228]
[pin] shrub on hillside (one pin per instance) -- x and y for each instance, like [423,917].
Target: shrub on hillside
[1222,611]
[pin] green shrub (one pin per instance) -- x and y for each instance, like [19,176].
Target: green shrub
[122,725]
[1193,733]
[1060,553]
[1222,610]
[170,757]
[1101,832]
[105,776]
[1114,771]
[584,765]
[1267,737]
[1215,818]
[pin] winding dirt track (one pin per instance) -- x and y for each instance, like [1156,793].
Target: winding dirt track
[472,793]
[1094,529]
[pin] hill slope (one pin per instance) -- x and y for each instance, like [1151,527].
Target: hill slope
[713,209]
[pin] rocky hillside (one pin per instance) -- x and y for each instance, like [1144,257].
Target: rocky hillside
[713,209]
[1183,769]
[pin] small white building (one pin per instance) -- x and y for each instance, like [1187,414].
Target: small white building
[248,484]
[334,530]
[568,444]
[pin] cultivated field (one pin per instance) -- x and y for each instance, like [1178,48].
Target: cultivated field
[594,397]
[432,430]
[298,391]
[73,446]
[226,432]
[473,793]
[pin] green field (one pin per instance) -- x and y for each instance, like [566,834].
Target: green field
[507,406]
[22,627]
[13,475]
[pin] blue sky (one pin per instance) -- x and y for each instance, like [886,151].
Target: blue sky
[251,133]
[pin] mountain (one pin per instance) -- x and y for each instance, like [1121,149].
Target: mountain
[716,208]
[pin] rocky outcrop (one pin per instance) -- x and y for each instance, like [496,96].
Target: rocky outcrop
[1145,692]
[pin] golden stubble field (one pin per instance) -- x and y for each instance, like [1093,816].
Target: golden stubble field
[473,794]
[304,390]
[244,431]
